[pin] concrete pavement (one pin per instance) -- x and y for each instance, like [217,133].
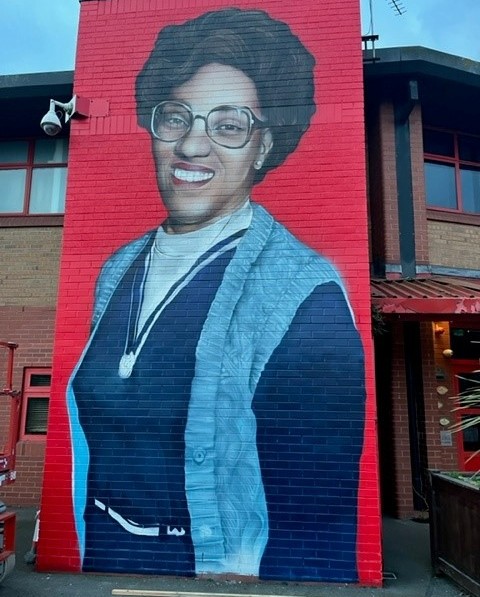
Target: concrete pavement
[406,564]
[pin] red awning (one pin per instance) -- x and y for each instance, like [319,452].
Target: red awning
[437,295]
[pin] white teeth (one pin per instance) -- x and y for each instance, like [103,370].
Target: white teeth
[192,176]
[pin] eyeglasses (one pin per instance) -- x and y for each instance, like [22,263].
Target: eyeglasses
[228,126]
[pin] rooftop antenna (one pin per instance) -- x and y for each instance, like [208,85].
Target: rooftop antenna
[397,6]
[371,37]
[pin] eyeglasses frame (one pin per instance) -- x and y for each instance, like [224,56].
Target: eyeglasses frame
[254,122]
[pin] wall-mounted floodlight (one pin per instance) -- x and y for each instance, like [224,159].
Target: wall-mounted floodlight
[51,123]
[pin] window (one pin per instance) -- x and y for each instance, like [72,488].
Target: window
[36,397]
[466,380]
[452,171]
[33,176]
[471,436]
[465,343]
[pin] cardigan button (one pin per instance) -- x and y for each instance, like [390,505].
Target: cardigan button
[199,455]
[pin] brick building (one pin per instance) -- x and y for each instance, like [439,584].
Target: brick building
[423,160]
[423,157]
[33,171]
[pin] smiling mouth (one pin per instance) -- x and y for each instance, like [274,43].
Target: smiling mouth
[192,176]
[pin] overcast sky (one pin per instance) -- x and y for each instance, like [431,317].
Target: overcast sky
[40,35]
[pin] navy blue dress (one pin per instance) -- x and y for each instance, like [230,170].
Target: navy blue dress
[309,410]
[135,429]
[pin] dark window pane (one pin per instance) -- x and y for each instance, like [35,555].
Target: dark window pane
[38,380]
[438,143]
[465,343]
[37,415]
[470,178]
[440,185]
[51,151]
[471,436]
[469,148]
[12,191]
[468,382]
[13,152]
[469,388]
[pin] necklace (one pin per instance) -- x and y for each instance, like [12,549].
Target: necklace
[135,338]
[129,358]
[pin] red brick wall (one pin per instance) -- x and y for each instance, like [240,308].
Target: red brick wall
[418,187]
[383,193]
[438,406]
[32,329]
[437,374]
[111,177]
[389,173]
[402,472]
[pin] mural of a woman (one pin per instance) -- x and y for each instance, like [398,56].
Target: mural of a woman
[217,409]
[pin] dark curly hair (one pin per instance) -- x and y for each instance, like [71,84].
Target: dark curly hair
[251,41]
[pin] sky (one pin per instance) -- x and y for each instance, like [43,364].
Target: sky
[40,35]
[447,25]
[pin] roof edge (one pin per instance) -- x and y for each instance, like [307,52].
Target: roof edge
[418,61]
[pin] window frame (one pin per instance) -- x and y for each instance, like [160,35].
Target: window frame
[30,392]
[8,219]
[445,213]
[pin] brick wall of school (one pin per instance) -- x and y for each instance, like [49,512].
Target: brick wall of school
[383,193]
[401,472]
[422,248]
[437,243]
[112,178]
[454,245]
[29,266]
[390,195]
[435,407]
[439,388]
[28,282]
[31,327]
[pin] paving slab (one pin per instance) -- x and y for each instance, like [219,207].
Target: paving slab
[406,563]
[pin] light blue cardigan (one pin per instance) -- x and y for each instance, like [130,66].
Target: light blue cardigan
[269,277]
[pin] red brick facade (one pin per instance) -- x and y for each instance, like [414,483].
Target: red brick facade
[32,329]
[444,243]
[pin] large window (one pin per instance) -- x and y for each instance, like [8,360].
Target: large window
[452,171]
[36,397]
[33,176]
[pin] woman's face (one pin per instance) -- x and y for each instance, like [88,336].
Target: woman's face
[199,180]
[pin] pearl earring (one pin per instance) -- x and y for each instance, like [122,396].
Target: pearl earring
[258,164]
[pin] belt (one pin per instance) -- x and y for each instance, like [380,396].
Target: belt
[138,529]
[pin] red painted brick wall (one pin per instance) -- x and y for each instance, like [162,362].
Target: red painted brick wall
[111,177]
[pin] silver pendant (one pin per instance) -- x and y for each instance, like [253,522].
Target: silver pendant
[125,367]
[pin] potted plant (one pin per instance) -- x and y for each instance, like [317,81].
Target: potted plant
[455,507]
